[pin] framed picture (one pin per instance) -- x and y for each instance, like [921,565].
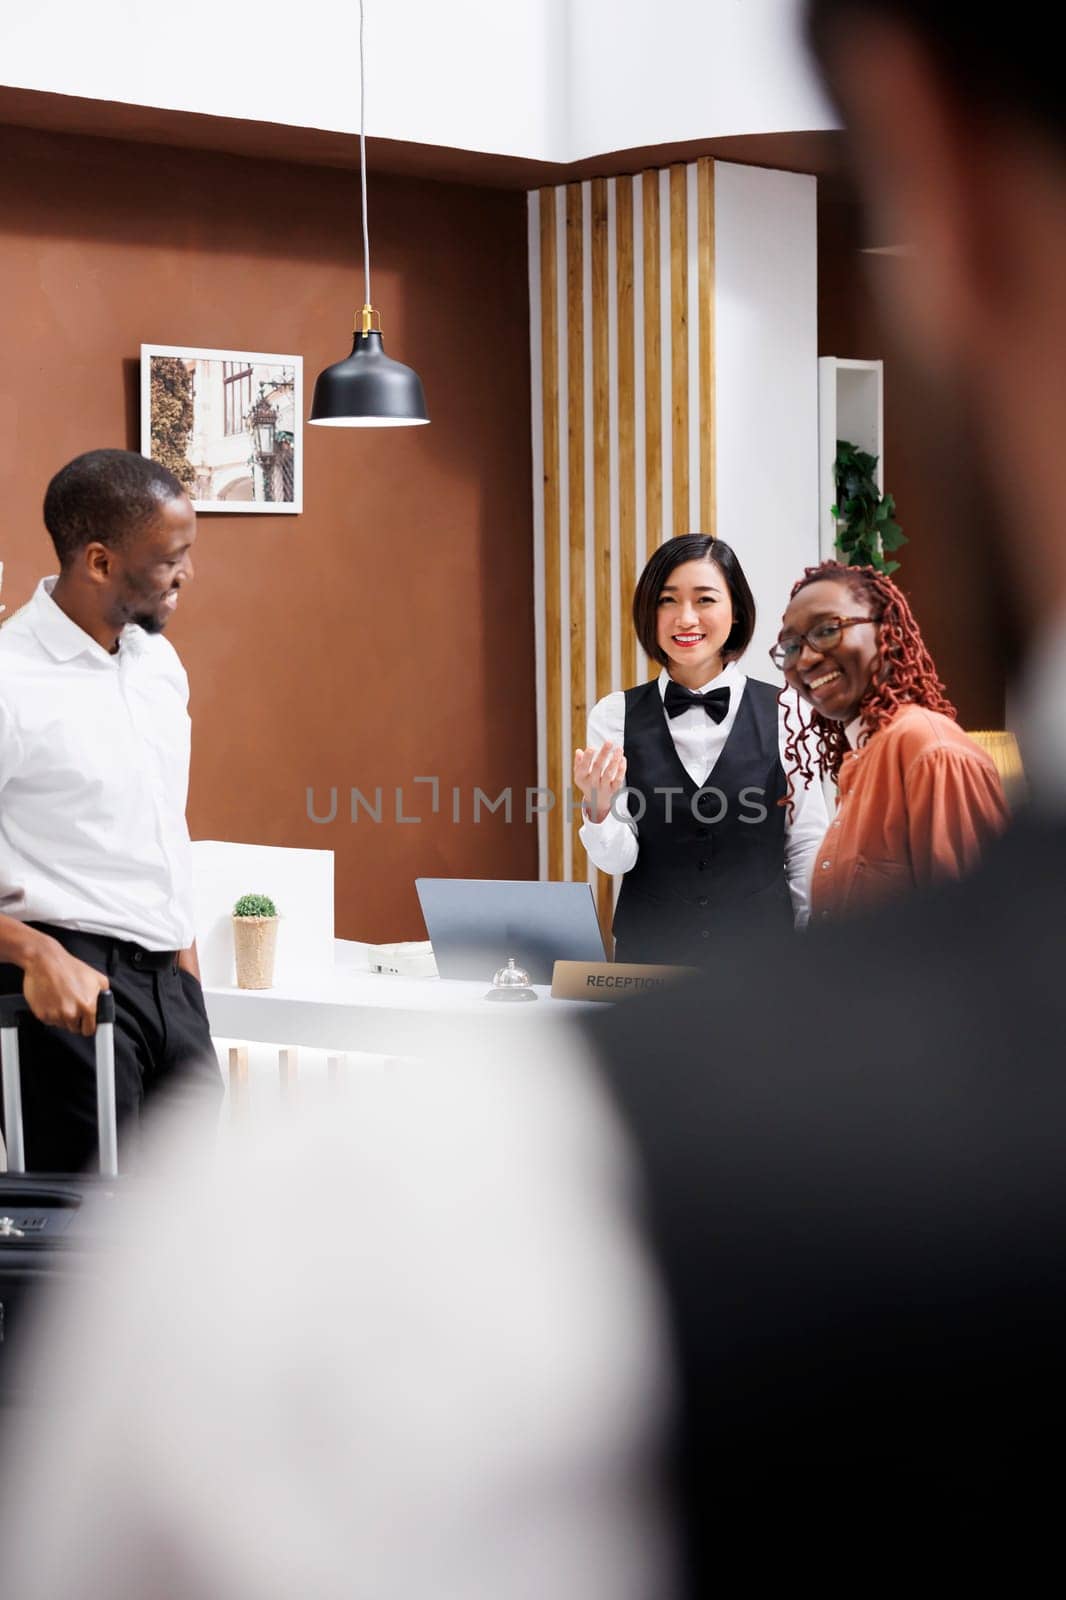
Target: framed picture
[228,424]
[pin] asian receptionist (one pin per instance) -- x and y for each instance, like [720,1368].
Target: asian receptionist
[684,777]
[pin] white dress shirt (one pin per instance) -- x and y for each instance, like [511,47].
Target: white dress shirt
[94,774]
[458,1391]
[612,844]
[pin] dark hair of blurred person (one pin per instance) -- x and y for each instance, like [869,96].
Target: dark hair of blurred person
[957,137]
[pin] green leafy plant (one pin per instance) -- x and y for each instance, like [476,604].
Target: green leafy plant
[255,905]
[867,530]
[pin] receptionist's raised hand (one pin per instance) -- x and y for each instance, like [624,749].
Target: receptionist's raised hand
[599,774]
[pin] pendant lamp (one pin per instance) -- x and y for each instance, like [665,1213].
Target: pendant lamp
[367,389]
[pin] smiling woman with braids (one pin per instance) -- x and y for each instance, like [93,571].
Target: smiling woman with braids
[918,799]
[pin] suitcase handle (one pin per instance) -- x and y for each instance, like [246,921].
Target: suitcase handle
[13,1005]
[11,1008]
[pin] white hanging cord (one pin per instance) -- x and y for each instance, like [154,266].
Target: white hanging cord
[362,152]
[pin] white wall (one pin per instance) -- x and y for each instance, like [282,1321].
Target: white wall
[553,80]
[688,69]
[766,331]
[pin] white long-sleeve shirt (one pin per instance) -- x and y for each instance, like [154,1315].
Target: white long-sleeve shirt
[612,844]
[401,1344]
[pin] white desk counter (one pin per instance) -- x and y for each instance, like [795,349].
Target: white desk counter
[350,1008]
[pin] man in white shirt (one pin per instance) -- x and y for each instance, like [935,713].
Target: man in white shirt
[95,864]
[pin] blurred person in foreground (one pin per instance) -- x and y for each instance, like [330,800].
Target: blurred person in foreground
[854,1166]
[423,1352]
[918,799]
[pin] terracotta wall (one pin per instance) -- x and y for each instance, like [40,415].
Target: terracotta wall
[386,633]
[950,597]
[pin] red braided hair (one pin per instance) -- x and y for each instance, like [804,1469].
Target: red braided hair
[904,674]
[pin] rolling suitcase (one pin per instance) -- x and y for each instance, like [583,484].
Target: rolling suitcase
[46,1233]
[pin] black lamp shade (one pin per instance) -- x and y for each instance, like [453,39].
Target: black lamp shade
[368,390]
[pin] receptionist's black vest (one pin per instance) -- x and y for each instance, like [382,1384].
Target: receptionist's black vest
[712,860]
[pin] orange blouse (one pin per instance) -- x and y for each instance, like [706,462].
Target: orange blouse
[917,803]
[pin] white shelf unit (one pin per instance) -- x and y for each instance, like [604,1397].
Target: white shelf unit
[851,405]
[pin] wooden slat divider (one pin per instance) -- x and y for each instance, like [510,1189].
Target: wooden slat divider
[679,397]
[591,454]
[575,389]
[627,472]
[653,377]
[552,525]
[708,458]
[601,438]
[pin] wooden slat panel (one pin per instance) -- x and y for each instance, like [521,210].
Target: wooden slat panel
[552,526]
[627,480]
[601,470]
[679,345]
[575,392]
[589,449]
[708,453]
[601,438]
[653,377]
[653,444]
[605,909]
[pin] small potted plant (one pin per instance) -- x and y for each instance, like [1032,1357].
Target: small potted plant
[867,531]
[255,938]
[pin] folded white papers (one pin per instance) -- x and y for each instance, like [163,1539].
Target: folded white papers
[409,959]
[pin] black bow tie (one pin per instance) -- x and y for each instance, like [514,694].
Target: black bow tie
[677,699]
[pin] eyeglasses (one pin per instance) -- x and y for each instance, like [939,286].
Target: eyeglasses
[825,635]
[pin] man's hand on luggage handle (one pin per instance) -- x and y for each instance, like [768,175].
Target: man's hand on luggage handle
[61,990]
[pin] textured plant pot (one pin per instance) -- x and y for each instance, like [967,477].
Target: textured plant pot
[255,941]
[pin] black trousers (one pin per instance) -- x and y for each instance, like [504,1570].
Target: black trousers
[163,1053]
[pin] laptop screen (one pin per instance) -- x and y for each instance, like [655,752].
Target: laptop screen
[475,924]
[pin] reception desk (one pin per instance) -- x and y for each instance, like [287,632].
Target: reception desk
[324,997]
[349,1008]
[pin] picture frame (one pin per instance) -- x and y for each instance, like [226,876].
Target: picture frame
[228,424]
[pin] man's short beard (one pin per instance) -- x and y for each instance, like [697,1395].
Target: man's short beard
[151,622]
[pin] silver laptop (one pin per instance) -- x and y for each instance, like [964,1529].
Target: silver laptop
[474,924]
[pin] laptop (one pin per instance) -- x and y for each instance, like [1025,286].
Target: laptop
[474,924]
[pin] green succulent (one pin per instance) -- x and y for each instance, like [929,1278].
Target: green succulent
[255,905]
[868,530]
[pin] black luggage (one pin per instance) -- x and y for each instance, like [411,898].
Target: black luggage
[45,1231]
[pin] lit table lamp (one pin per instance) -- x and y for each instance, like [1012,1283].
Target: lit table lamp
[1003,748]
